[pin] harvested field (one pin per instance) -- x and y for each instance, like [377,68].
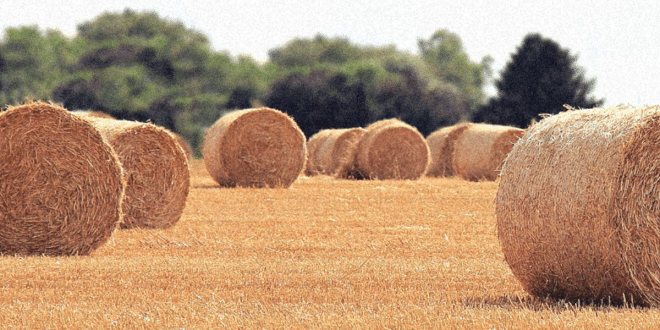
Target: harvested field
[323,253]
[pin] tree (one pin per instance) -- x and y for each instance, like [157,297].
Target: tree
[446,59]
[540,78]
[319,100]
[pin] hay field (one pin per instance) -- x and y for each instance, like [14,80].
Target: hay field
[322,254]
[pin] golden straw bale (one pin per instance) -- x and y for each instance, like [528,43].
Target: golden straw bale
[187,148]
[336,154]
[312,167]
[60,183]
[578,206]
[392,149]
[481,149]
[441,144]
[92,113]
[259,147]
[155,168]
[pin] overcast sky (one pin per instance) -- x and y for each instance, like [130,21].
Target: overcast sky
[618,42]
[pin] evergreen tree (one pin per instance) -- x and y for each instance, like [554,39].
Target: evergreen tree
[540,78]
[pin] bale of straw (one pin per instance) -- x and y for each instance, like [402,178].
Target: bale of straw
[259,147]
[60,183]
[336,154]
[187,148]
[481,149]
[312,167]
[578,206]
[441,144]
[155,169]
[392,149]
[92,113]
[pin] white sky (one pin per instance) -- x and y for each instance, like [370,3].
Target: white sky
[617,42]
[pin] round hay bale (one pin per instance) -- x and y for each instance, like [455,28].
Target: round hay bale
[392,149]
[260,147]
[336,154]
[60,183]
[578,206]
[481,149]
[187,148]
[92,113]
[441,144]
[155,169]
[312,167]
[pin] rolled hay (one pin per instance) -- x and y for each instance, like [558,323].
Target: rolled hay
[187,148]
[578,206]
[480,150]
[92,113]
[155,170]
[60,183]
[259,147]
[312,167]
[392,149]
[441,144]
[335,155]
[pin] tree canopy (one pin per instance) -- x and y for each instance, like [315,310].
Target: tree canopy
[540,78]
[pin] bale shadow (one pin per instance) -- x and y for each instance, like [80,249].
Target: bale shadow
[511,302]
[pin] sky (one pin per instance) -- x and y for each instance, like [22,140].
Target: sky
[617,42]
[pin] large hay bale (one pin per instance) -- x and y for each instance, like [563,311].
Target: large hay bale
[481,149]
[92,113]
[441,144]
[155,169]
[260,147]
[185,145]
[60,183]
[392,149]
[578,206]
[335,156]
[312,166]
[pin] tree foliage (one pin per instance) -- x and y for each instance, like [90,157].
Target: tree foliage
[540,78]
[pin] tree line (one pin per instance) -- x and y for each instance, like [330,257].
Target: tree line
[139,66]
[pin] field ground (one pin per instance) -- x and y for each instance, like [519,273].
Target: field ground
[322,254]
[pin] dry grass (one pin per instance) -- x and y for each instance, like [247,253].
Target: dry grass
[322,254]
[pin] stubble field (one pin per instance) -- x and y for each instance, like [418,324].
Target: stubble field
[323,254]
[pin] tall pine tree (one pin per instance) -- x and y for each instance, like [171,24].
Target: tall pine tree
[540,78]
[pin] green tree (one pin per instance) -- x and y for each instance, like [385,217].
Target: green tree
[446,59]
[540,78]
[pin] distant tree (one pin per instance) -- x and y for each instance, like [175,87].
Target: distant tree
[540,78]
[448,62]
[319,100]
[306,52]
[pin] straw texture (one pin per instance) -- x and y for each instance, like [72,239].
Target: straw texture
[60,183]
[392,149]
[313,166]
[441,144]
[335,156]
[480,150]
[155,169]
[578,209]
[260,147]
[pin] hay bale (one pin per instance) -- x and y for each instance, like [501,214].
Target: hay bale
[60,183]
[183,143]
[441,144]
[315,141]
[392,149]
[578,206]
[260,147]
[335,156]
[155,169]
[92,113]
[480,150]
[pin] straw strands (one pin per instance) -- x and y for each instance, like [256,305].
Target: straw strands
[60,183]
[441,144]
[313,167]
[334,155]
[259,147]
[480,150]
[578,209]
[392,149]
[155,169]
